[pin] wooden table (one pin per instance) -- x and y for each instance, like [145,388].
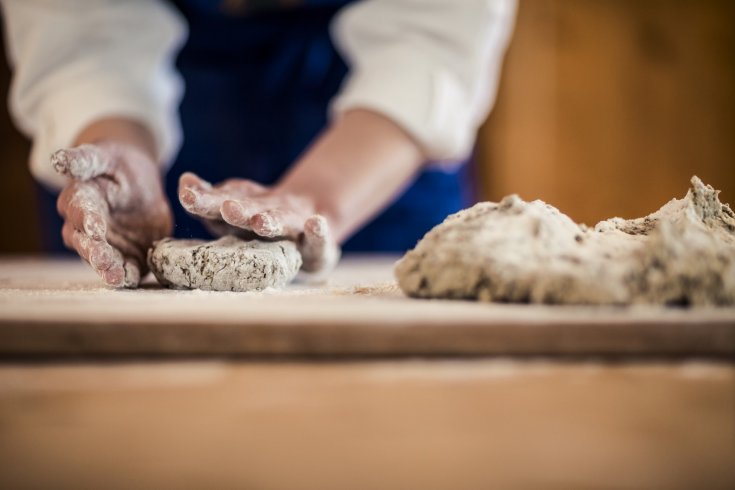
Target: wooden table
[58,308]
[351,385]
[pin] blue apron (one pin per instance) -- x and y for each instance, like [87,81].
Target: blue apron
[258,84]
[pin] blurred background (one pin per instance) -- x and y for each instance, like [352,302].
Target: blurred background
[605,108]
[608,107]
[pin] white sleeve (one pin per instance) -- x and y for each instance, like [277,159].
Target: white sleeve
[76,61]
[431,66]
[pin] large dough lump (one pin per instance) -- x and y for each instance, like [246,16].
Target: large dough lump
[227,264]
[517,251]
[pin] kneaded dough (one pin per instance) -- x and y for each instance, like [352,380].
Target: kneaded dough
[517,251]
[227,264]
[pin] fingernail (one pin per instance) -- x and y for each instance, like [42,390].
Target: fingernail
[188,197]
[265,225]
[232,211]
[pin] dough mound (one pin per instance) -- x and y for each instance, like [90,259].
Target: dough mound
[227,264]
[517,251]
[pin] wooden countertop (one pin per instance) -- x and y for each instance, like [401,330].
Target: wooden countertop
[58,307]
[292,389]
[381,425]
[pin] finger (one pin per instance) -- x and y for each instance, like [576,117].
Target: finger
[83,162]
[238,213]
[83,205]
[267,224]
[133,273]
[253,215]
[192,180]
[203,204]
[229,189]
[133,257]
[88,216]
[92,223]
[202,199]
[260,216]
[319,251]
[70,192]
[114,276]
[67,234]
[314,241]
[106,261]
[198,197]
[232,188]
[277,222]
[100,255]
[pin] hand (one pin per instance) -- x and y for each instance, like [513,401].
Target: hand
[114,208]
[247,209]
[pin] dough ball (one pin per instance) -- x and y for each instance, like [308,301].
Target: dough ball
[226,264]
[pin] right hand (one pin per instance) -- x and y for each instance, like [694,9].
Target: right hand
[247,209]
[113,207]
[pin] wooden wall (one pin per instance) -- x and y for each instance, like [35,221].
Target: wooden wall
[20,231]
[606,107]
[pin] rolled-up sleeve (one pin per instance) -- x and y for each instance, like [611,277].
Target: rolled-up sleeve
[431,66]
[78,61]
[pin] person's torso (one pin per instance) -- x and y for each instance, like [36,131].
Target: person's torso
[259,77]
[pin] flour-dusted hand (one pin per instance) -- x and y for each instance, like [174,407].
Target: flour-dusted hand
[245,208]
[113,207]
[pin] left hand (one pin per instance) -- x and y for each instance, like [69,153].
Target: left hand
[245,208]
[113,208]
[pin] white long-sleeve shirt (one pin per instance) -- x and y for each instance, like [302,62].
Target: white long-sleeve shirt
[431,66]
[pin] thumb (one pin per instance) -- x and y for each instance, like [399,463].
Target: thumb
[318,249]
[83,162]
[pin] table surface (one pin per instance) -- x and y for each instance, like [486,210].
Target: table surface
[502,411]
[59,307]
[401,424]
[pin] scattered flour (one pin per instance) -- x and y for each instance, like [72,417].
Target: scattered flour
[517,251]
[227,264]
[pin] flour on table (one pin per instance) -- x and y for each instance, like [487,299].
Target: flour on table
[227,264]
[517,251]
